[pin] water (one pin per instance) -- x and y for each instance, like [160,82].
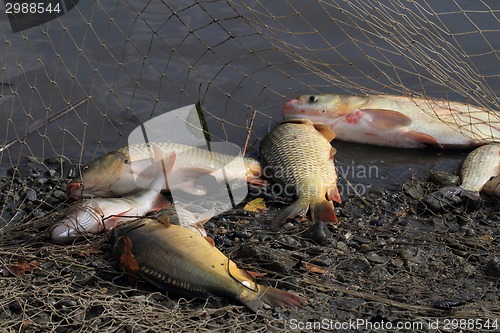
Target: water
[135,67]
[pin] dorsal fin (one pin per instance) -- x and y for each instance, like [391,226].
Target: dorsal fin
[323,129]
[164,220]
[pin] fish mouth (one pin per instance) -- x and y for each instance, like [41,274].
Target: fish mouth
[291,104]
[73,188]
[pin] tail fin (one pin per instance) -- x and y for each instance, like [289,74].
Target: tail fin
[299,207]
[273,297]
[323,211]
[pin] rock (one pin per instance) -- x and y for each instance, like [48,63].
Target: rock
[342,247]
[437,201]
[31,195]
[318,233]
[322,260]
[414,190]
[361,264]
[443,179]
[378,259]
[493,267]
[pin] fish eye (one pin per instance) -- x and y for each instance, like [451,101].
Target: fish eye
[312,99]
[126,161]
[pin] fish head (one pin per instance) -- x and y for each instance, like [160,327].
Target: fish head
[325,109]
[81,219]
[106,176]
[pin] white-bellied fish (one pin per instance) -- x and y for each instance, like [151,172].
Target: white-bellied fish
[96,215]
[398,121]
[182,261]
[298,156]
[115,175]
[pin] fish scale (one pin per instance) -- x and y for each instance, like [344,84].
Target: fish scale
[129,169]
[398,121]
[479,166]
[297,155]
[184,262]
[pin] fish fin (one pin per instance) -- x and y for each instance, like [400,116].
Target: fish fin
[333,151]
[384,119]
[273,297]
[164,220]
[325,131]
[127,260]
[195,172]
[160,203]
[210,240]
[204,217]
[163,164]
[323,211]
[256,274]
[190,187]
[333,194]
[167,161]
[299,207]
[424,138]
[472,195]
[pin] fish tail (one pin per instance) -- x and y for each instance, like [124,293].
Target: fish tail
[273,297]
[323,211]
[299,207]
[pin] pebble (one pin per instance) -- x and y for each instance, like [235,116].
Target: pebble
[342,247]
[443,179]
[31,195]
[322,260]
[58,194]
[374,257]
[318,233]
[361,264]
[414,190]
[493,267]
[397,262]
[360,239]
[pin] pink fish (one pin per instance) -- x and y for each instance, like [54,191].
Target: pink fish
[398,121]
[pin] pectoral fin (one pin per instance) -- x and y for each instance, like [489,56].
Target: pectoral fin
[424,138]
[209,240]
[384,119]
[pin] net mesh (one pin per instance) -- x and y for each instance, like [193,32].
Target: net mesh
[73,88]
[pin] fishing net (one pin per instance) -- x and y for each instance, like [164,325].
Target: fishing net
[75,87]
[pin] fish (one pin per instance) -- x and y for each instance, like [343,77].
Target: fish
[398,121]
[492,186]
[179,215]
[476,172]
[97,215]
[185,263]
[122,171]
[298,156]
